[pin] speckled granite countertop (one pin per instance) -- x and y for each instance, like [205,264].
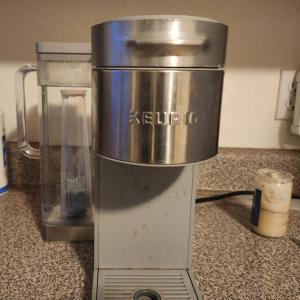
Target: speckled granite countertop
[229,261]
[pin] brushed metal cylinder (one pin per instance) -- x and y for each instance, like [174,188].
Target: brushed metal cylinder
[156,116]
[153,41]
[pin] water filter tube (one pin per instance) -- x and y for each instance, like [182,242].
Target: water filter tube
[76,189]
[3,158]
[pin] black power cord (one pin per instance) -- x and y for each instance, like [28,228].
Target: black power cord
[230,194]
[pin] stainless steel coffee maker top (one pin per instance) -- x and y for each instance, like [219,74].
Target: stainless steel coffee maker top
[155,117]
[157,84]
[153,41]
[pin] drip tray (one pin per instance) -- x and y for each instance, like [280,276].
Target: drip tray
[145,284]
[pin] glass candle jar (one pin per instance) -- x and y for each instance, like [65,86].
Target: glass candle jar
[271,202]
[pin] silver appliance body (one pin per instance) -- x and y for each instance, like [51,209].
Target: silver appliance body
[157,86]
[144,220]
[157,116]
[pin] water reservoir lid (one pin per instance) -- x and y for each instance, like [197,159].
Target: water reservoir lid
[159,41]
[63,48]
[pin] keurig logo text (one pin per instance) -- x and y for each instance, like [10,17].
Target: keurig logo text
[163,118]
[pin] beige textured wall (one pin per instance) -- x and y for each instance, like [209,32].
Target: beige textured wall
[264,37]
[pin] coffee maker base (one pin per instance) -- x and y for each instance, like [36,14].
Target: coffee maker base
[141,284]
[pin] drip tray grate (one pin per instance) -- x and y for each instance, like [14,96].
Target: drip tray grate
[123,284]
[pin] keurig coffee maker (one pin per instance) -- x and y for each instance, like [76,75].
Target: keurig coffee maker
[157,88]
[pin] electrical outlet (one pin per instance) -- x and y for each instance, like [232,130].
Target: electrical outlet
[286,95]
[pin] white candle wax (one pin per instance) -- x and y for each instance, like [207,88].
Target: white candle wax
[271,202]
